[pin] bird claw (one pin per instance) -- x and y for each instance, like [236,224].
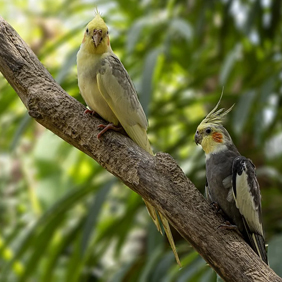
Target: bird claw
[217,207]
[227,225]
[106,128]
[92,113]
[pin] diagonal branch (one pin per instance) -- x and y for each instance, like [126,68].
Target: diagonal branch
[157,179]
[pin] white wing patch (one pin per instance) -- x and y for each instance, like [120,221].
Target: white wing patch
[230,196]
[227,183]
[245,202]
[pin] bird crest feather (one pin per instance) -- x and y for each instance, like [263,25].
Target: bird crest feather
[97,12]
[216,116]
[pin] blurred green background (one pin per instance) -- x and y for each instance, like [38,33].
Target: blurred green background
[62,216]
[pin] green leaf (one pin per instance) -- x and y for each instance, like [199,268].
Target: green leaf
[147,79]
[43,230]
[180,26]
[67,66]
[242,110]
[121,274]
[134,34]
[94,211]
[218,278]
[228,64]
[25,122]
[163,266]
[58,251]
[275,254]
[150,264]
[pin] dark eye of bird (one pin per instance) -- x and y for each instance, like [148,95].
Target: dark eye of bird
[208,130]
[87,30]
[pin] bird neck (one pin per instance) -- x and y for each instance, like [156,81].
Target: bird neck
[213,148]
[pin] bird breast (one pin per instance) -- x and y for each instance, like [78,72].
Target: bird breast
[87,69]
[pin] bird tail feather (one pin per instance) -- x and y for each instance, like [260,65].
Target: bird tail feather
[169,237]
[257,242]
[153,213]
[139,136]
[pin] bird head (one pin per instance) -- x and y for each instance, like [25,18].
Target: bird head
[210,133]
[96,37]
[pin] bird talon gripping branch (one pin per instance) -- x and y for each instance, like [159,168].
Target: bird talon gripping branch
[107,127]
[92,113]
[227,225]
[231,181]
[216,207]
[108,90]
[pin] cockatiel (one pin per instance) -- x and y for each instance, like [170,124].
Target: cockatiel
[108,91]
[231,180]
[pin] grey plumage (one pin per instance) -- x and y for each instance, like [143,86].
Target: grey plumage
[231,180]
[239,199]
[219,168]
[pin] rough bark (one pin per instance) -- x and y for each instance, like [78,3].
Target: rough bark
[158,179]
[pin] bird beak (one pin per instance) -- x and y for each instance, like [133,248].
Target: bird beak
[198,138]
[97,36]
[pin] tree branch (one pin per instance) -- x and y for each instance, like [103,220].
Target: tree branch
[157,179]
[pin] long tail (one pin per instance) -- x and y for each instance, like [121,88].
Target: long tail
[169,237]
[154,215]
[139,136]
[257,242]
[260,246]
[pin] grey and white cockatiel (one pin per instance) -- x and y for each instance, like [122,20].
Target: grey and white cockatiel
[108,91]
[231,180]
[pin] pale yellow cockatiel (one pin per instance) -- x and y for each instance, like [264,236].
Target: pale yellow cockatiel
[108,91]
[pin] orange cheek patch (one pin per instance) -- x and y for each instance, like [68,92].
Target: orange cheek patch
[108,40]
[217,137]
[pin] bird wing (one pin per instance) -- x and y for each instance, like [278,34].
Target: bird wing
[117,89]
[247,196]
[227,183]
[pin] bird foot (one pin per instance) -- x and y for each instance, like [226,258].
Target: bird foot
[227,225]
[106,128]
[92,113]
[217,207]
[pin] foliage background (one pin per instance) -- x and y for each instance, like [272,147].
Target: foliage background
[63,217]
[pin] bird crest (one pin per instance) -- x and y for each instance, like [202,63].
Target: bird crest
[216,116]
[96,12]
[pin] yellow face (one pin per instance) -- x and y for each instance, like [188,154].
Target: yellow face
[96,37]
[209,137]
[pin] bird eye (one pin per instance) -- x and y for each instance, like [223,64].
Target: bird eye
[87,30]
[107,32]
[208,130]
